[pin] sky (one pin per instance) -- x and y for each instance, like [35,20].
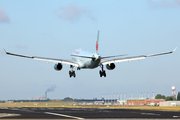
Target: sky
[56,28]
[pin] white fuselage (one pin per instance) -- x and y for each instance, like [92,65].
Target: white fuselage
[88,63]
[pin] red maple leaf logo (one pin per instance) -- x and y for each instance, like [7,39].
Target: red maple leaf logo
[96,46]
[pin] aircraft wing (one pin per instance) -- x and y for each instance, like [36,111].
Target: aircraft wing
[69,62]
[119,60]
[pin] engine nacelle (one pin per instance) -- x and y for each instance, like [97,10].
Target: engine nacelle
[58,66]
[110,66]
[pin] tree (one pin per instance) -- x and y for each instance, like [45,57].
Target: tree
[170,98]
[159,96]
[178,96]
[68,99]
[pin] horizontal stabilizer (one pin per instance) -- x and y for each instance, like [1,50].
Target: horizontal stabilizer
[101,57]
[113,56]
[83,56]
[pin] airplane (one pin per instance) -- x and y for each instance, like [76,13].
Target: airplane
[88,60]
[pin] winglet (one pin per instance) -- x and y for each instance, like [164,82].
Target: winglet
[5,51]
[175,49]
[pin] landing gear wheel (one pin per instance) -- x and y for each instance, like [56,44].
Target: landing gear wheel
[72,73]
[100,73]
[103,72]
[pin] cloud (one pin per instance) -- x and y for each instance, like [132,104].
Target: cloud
[3,16]
[164,4]
[72,12]
[21,46]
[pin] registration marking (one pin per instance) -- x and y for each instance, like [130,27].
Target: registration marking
[63,115]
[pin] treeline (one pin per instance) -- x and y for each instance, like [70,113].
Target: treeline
[31,100]
[25,101]
[168,98]
[81,100]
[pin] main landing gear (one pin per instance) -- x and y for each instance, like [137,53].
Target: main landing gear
[102,72]
[72,73]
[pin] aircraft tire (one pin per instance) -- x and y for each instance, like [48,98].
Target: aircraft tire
[104,74]
[100,73]
[74,74]
[70,74]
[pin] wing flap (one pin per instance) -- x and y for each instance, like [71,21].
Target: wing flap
[69,62]
[159,54]
[18,55]
[119,60]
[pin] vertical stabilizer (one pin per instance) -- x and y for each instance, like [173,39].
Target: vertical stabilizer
[97,44]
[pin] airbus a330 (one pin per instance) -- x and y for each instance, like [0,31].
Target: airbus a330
[88,60]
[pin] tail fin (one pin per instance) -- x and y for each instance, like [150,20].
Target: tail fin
[97,45]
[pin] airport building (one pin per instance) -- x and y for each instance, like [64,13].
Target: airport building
[151,102]
[169,103]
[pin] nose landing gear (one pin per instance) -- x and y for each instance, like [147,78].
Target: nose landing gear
[102,72]
[72,73]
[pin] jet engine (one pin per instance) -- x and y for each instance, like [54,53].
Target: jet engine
[110,66]
[58,66]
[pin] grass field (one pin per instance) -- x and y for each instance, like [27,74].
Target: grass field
[73,104]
